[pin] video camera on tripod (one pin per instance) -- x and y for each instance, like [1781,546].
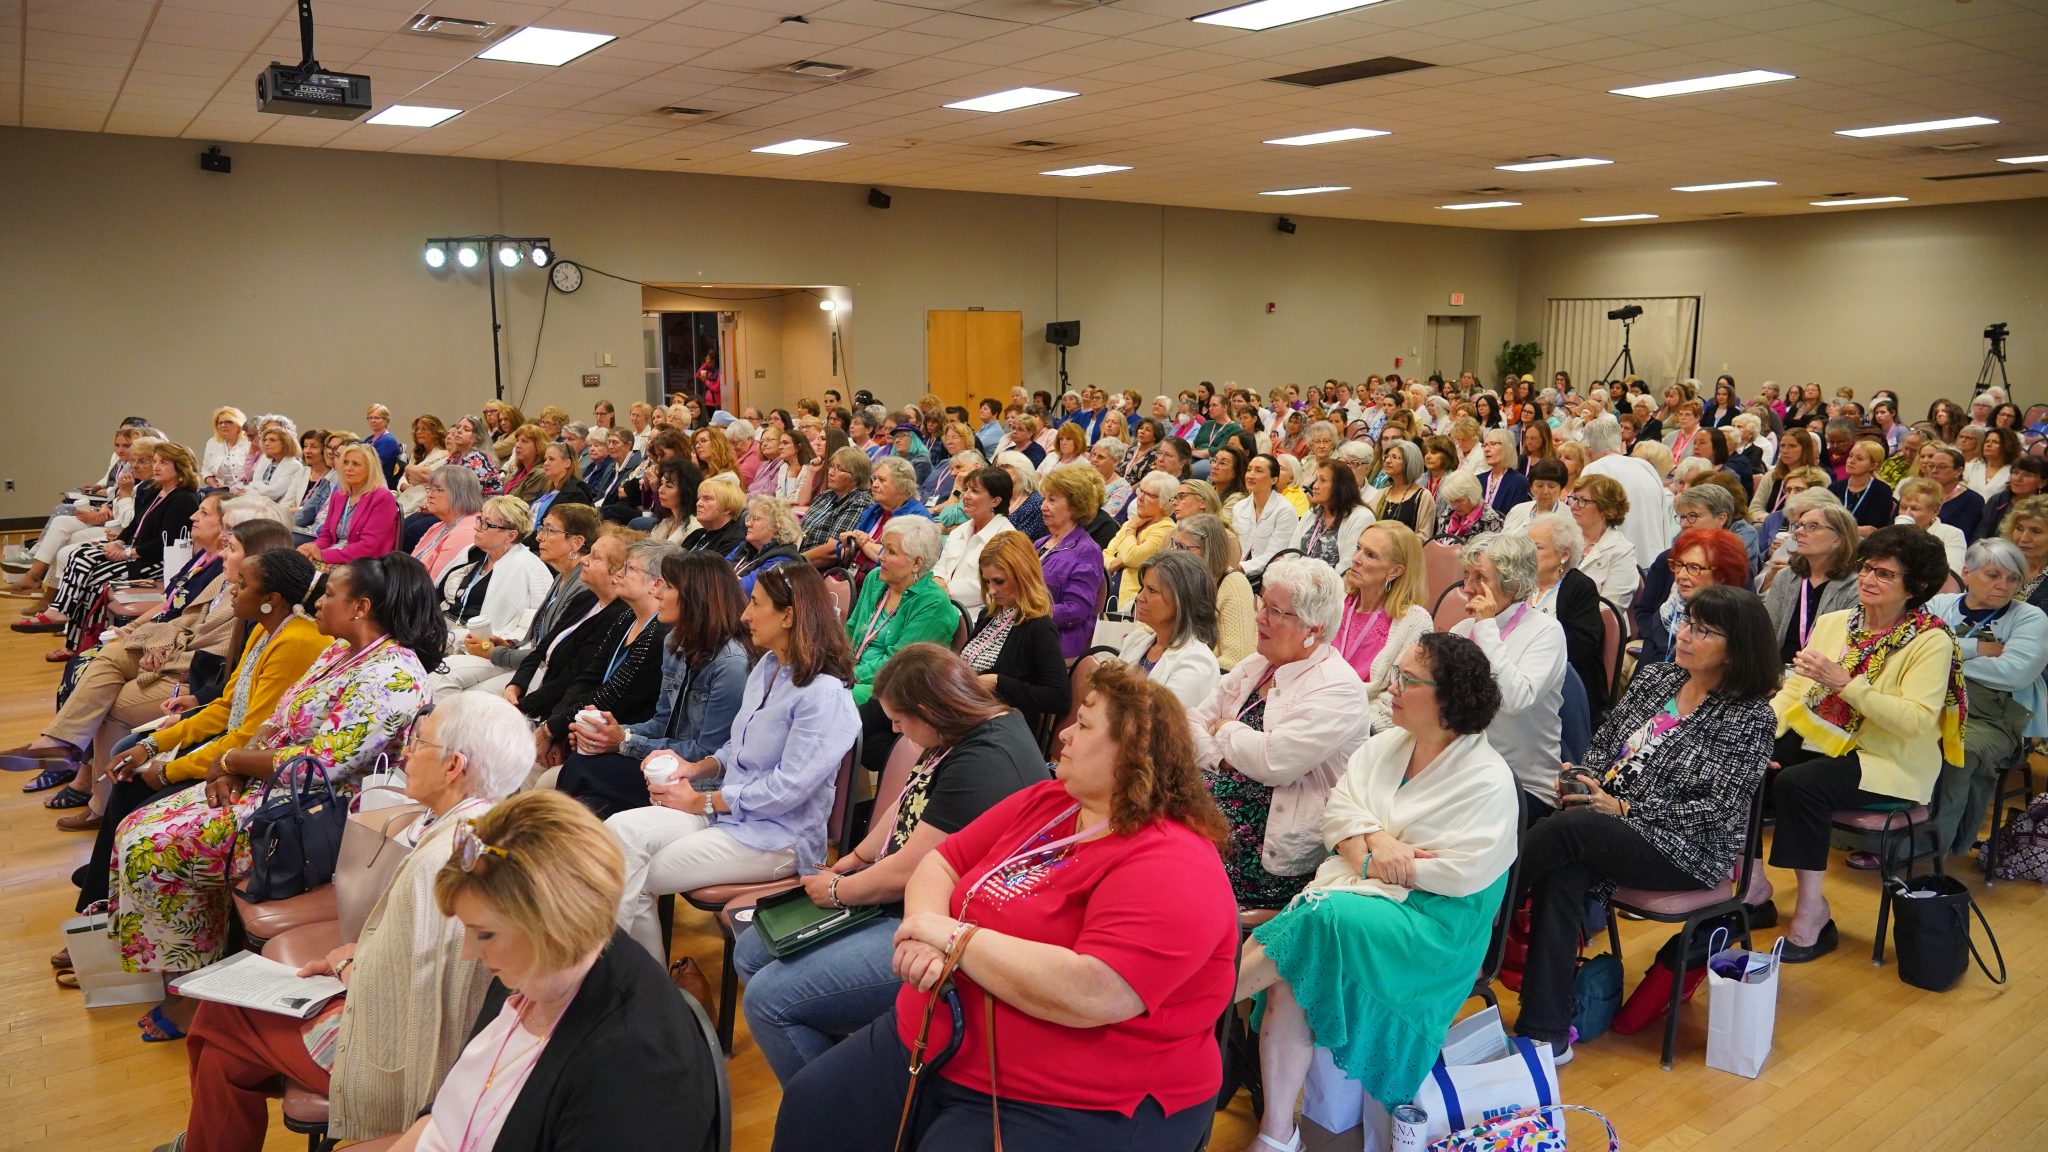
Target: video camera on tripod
[1995,355]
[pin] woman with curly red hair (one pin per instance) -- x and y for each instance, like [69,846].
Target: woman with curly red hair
[1052,915]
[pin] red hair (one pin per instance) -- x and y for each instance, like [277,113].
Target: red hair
[1725,554]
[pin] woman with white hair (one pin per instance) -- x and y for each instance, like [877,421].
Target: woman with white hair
[1462,510]
[413,994]
[1526,648]
[894,489]
[1276,733]
[772,534]
[2004,643]
[1569,596]
[899,605]
[1502,485]
[1149,530]
[1025,499]
[220,466]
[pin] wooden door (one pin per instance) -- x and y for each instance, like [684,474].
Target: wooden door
[972,355]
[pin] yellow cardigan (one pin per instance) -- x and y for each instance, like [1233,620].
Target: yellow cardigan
[1131,549]
[1900,741]
[205,733]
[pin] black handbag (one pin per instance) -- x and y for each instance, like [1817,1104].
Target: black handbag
[295,835]
[1931,930]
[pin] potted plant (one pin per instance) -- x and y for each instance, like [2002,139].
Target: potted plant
[1517,359]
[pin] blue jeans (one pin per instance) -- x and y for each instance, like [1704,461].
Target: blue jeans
[798,1008]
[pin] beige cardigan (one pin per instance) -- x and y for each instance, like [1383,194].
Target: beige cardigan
[411,1005]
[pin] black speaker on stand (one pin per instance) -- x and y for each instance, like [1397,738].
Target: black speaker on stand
[1063,334]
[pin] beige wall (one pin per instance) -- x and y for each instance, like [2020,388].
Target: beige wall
[1895,298]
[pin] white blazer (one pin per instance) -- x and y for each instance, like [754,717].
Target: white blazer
[1613,566]
[286,483]
[1348,531]
[959,564]
[1263,535]
[1528,667]
[518,585]
[1188,669]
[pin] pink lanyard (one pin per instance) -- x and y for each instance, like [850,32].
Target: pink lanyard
[1350,622]
[1508,629]
[1805,605]
[1493,485]
[1026,852]
[532,1055]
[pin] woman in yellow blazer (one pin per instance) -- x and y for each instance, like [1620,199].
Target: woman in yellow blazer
[282,644]
[1148,530]
[1873,708]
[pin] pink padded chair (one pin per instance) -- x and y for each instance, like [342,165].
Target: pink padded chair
[1440,568]
[273,918]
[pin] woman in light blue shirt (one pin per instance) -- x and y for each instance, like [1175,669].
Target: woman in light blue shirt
[766,818]
[2004,643]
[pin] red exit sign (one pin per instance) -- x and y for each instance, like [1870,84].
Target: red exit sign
[1457,299]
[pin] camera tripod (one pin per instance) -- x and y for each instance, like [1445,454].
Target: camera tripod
[1623,360]
[1994,358]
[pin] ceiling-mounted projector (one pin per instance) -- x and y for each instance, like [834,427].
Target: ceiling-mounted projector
[307,89]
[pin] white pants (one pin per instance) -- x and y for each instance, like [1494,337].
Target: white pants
[464,671]
[62,532]
[670,851]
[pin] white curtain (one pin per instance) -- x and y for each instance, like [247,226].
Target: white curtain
[1579,338]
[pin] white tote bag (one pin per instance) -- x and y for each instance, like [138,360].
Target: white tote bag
[1742,1006]
[1455,1097]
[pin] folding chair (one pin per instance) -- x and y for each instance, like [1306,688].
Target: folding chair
[2007,789]
[1450,608]
[1083,666]
[712,1042]
[1887,822]
[1497,945]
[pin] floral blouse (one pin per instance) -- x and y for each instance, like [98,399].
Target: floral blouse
[349,708]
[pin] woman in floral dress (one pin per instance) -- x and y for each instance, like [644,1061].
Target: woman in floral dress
[175,859]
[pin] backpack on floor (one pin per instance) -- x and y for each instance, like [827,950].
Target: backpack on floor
[2022,844]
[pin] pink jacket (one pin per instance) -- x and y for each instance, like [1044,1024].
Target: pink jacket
[372,531]
[442,549]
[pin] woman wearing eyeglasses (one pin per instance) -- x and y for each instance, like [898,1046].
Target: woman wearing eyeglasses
[452,499]
[175,858]
[507,581]
[1373,962]
[1819,575]
[1872,711]
[764,818]
[1527,649]
[621,677]
[1662,800]
[1600,505]
[380,1053]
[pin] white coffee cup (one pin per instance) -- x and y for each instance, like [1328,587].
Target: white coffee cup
[661,767]
[480,627]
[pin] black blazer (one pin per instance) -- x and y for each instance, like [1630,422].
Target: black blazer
[1031,674]
[629,693]
[150,529]
[1578,610]
[1649,607]
[576,651]
[626,1066]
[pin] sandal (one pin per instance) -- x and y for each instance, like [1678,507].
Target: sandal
[68,797]
[40,622]
[59,656]
[158,1029]
[62,959]
[58,775]
[66,978]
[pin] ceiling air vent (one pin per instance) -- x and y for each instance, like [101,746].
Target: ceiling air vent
[1989,175]
[1958,146]
[1037,146]
[820,70]
[1357,70]
[678,112]
[450,28]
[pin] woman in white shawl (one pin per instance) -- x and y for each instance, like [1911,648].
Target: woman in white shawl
[1373,959]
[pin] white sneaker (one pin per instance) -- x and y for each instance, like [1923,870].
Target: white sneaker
[1559,1059]
[1292,1144]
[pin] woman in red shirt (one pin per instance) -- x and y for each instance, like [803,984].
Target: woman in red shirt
[1094,932]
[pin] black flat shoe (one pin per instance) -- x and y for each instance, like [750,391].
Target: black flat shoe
[1764,915]
[1826,942]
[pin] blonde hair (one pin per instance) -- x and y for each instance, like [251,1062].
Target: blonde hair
[1012,554]
[1918,488]
[1656,453]
[1080,485]
[1406,590]
[728,495]
[371,464]
[510,510]
[559,880]
[786,530]
[229,412]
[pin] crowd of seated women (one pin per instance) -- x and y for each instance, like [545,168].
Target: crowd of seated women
[620,662]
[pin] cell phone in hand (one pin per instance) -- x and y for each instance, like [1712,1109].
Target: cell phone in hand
[1576,782]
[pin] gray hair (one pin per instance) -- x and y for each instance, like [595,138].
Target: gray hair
[1997,552]
[857,465]
[1691,468]
[1160,485]
[1323,428]
[1115,448]
[785,528]
[576,428]
[597,436]
[739,431]
[1219,544]
[1193,592]
[652,554]
[901,474]
[465,493]
[1601,436]
[1354,453]
[1317,591]
[493,739]
[1507,438]
[1411,460]
[1710,497]
[968,457]
[919,538]
[1565,535]
[1513,558]
[236,511]
[1021,469]
[1459,484]
[476,426]
[874,416]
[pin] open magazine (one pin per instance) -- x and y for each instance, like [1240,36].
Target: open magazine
[248,980]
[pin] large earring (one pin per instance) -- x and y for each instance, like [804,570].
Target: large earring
[264,609]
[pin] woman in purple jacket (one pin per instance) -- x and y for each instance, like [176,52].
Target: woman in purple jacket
[1071,558]
[362,515]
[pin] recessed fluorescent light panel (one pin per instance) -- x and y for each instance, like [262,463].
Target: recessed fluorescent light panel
[800,147]
[1730,186]
[1327,137]
[1013,99]
[1308,191]
[1858,200]
[1088,170]
[1703,84]
[1480,204]
[1617,219]
[2025,160]
[1263,14]
[1919,126]
[1552,165]
[412,116]
[553,47]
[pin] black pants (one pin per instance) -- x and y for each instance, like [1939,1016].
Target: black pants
[1563,857]
[1808,792]
[851,1099]
[126,797]
[877,735]
[606,783]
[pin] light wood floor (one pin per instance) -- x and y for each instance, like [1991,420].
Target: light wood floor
[1862,1061]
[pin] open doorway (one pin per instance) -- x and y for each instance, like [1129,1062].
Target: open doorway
[1452,346]
[692,360]
[740,346]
